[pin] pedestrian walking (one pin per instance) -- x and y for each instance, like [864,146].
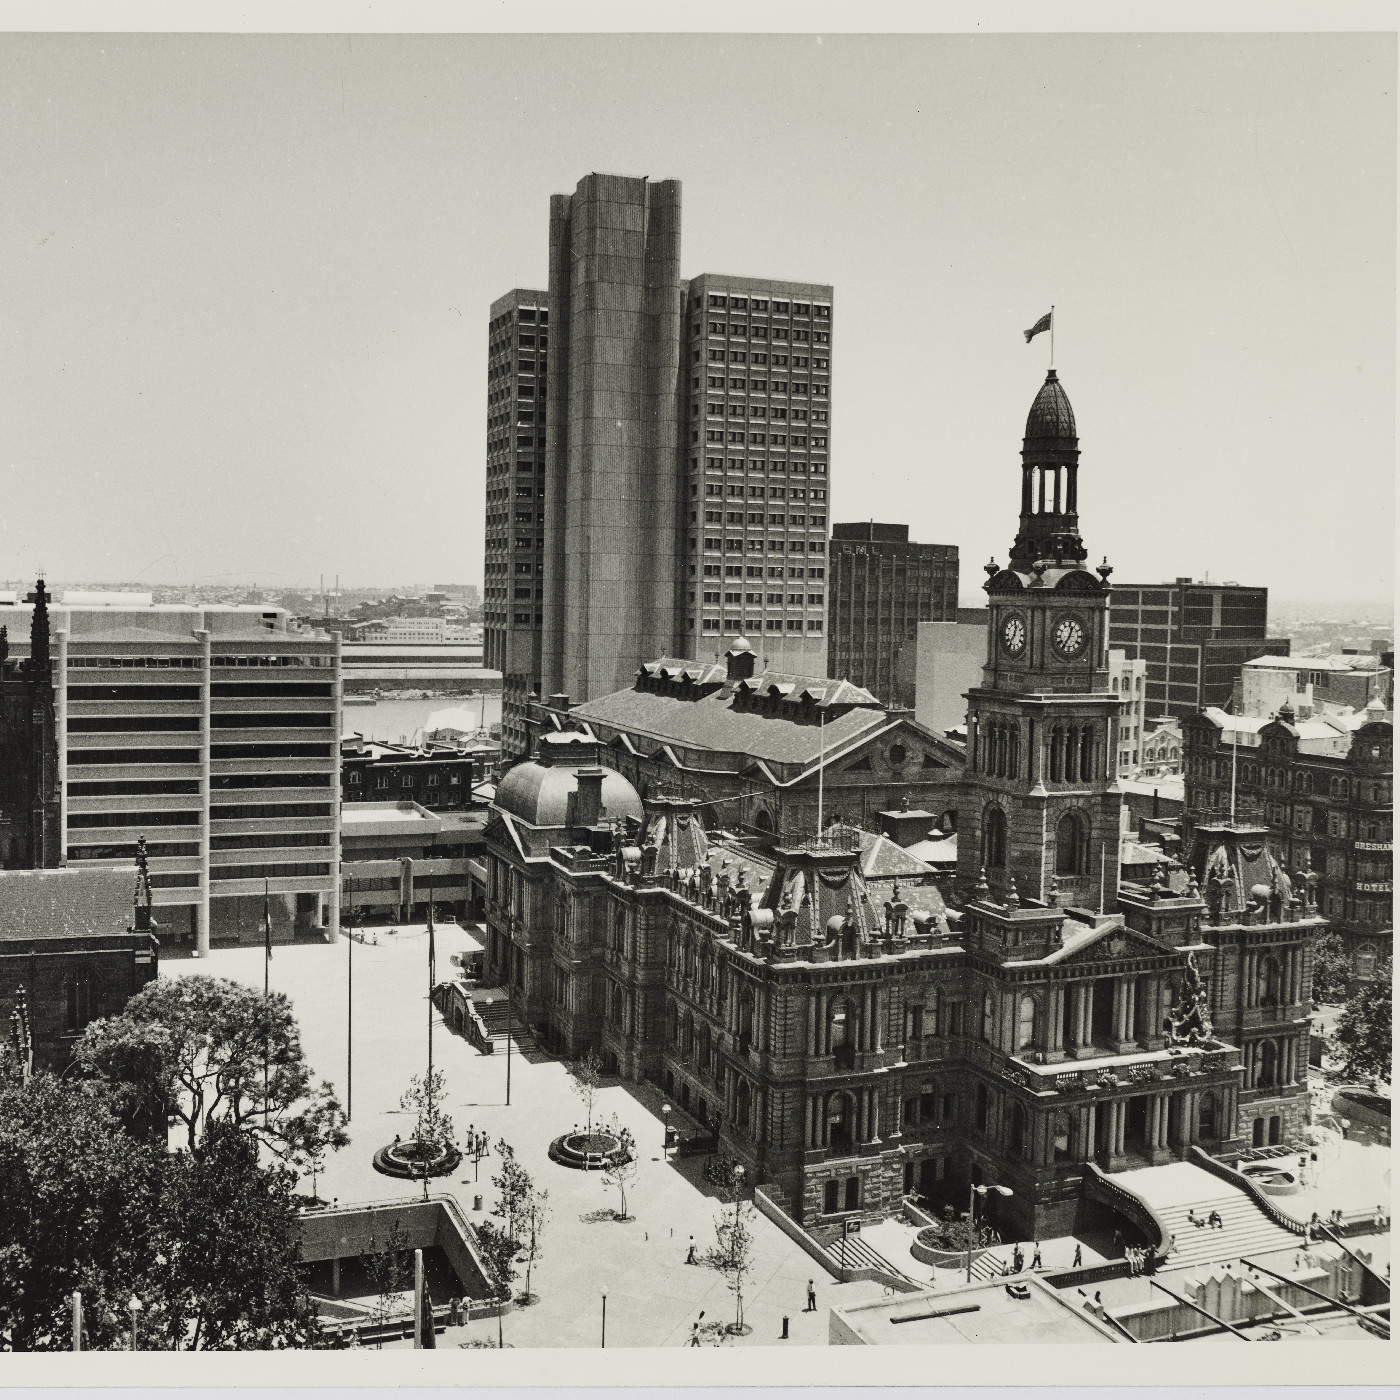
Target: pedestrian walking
[1035,1258]
[690,1253]
[811,1296]
[1078,1255]
[694,1334]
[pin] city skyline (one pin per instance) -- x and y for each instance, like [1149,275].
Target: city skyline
[272,269]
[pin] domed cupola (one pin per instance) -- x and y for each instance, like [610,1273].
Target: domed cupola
[1049,484]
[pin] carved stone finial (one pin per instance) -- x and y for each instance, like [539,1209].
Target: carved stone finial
[982,888]
[1053,898]
[1013,899]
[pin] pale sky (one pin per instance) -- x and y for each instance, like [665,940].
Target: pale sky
[244,283]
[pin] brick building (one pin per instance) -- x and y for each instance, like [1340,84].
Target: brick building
[74,945]
[435,776]
[880,586]
[851,1045]
[1322,790]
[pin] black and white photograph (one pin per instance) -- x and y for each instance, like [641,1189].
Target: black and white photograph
[726,691]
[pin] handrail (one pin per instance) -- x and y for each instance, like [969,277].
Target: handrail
[1218,1168]
[1099,1180]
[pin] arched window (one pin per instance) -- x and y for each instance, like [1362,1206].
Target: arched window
[1086,754]
[743,1104]
[82,999]
[1072,845]
[1268,1064]
[1013,762]
[705,1048]
[1268,981]
[842,1028]
[687,1035]
[989,1018]
[746,1014]
[1017,1141]
[1057,747]
[984,1108]
[994,838]
[1059,1132]
[838,1123]
[1207,1114]
[1025,1023]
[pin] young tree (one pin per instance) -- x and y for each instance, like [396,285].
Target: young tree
[1331,969]
[514,1184]
[498,1254]
[622,1167]
[1362,1037]
[587,1073]
[732,1254]
[533,1217]
[389,1273]
[425,1095]
[206,1050]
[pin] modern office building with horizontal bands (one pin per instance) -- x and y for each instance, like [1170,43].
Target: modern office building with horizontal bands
[517,349]
[882,586]
[214,732]
[1194,638]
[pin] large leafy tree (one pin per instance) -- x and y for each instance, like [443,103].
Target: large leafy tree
[1362,1037]
[77,1196]
[1331,969]
[227,1275]
[209,1050]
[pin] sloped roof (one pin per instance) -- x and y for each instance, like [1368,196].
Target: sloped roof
[73,902]
[712,722]
[883,859]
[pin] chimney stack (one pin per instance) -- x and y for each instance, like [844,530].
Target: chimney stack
[588,809]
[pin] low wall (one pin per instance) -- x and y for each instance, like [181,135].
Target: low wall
[351,1232]
[459,1011]
[798,1235]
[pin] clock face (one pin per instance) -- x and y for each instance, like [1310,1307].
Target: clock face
[1069,636]
[1013,635]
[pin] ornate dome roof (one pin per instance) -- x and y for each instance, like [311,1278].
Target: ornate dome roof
[543,794]
[1051,417]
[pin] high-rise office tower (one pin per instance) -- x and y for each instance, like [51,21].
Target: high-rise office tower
[881,587]
[681,497]
[1195,637]
[517,362]
[756,441]
[612,525]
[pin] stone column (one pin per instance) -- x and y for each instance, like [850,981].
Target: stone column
[812,1021]
[807,1121]
[1055,1039]
[1250,961]
[1120,1002]
[875,1115]
[1130,1009]
[1152,1010]
[1120,1126]
[878,1003]
[1091,1117]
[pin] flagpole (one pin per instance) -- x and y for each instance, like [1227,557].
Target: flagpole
[432,959]
[1052,335]
[350,1012]
[267,987]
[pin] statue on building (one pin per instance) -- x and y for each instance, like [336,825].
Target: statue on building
[1188,1021]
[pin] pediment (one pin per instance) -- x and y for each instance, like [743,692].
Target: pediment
[1112,943]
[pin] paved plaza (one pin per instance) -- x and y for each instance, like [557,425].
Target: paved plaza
[653,1295]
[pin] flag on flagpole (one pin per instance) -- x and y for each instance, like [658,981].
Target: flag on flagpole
[1043,324]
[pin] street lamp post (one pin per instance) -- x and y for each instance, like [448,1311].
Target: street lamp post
[134,1308]
[974,1191]
[604,1340]
[734,1246]
[665,1129]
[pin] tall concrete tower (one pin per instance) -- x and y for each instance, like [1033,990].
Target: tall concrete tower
[613,531]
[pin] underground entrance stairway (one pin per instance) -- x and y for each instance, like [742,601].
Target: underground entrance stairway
[1178,1188]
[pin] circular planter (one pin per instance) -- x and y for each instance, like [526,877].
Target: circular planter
[413,1160]
[595,1151]
[1270,1179]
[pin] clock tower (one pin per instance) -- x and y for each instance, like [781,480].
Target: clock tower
[1041,803]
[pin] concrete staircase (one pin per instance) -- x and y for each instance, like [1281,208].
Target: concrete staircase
[860,1255]
[1180,1188]
[494,1011]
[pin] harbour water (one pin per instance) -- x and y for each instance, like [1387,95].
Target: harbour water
[401,720]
